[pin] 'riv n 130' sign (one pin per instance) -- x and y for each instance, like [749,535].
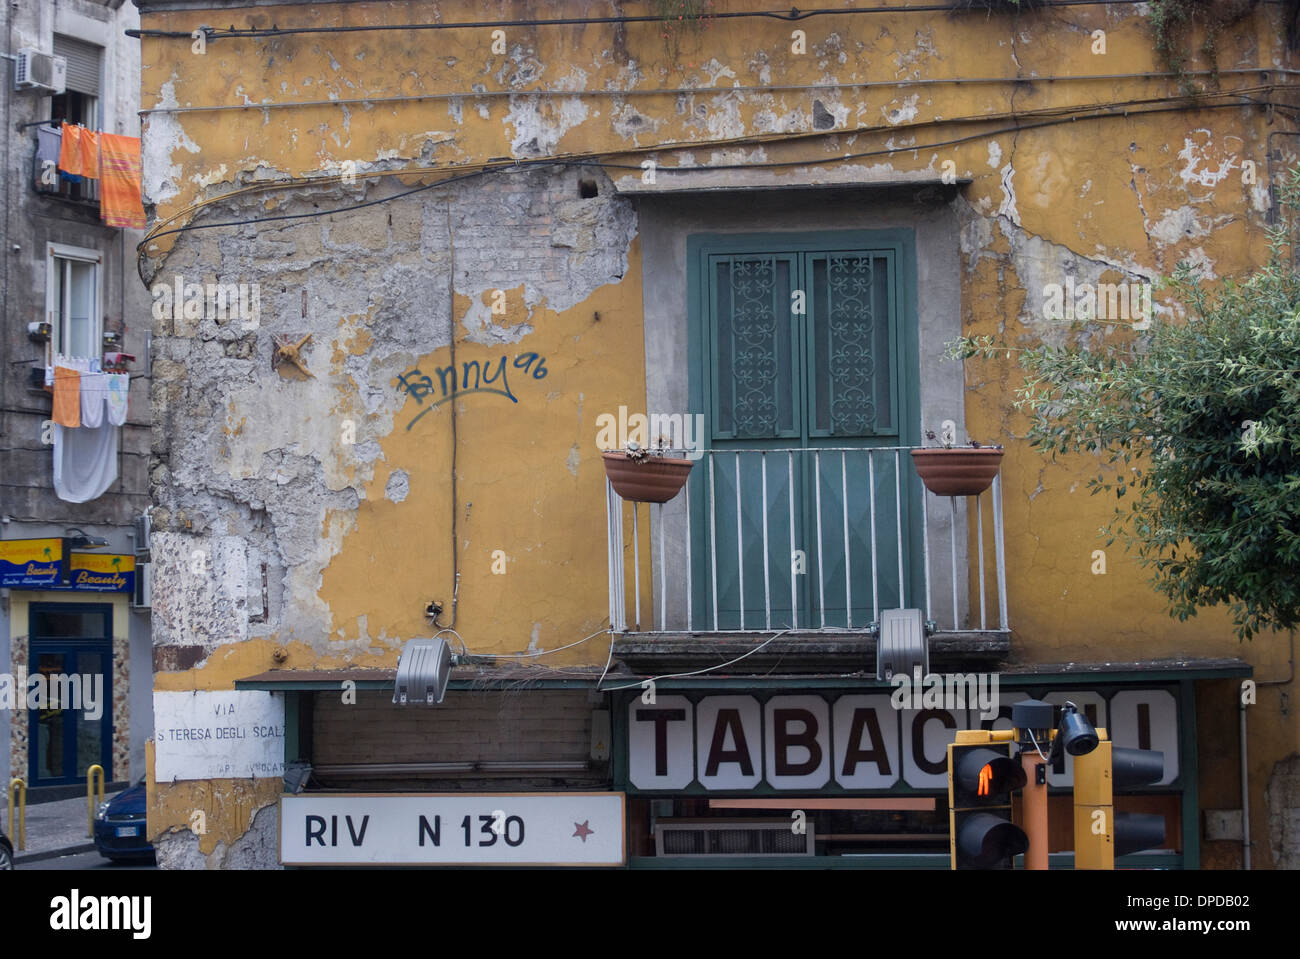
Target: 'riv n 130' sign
[856,742]
[461,829]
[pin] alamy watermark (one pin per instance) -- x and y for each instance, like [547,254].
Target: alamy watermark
[946,691]
[210,301]
[1117,302]
[677,431]
[76,912]
[53,691]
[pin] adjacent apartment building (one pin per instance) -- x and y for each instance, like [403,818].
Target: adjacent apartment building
[415,266]
[75,650]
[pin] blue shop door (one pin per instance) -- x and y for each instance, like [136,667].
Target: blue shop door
[70,642]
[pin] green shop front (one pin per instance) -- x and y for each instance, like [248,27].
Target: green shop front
[829,772]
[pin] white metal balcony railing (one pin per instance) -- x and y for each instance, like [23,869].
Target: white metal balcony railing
[715,562]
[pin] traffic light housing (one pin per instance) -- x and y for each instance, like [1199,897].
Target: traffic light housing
[1101,834]
[983,771]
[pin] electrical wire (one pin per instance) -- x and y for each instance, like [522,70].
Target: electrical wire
[464,650]
[451,348]
[1036,746]
[793,15]
[695,672]
[608,659]
[546,652]
[1061,113]
[1115,111]
[831,86]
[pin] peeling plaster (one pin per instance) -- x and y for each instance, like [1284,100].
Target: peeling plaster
[901,114]
[1177,225]
[1198,167]
[398,486]
[162,136]
[538,126]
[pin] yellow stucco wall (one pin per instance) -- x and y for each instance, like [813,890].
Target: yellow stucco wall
[1137,191]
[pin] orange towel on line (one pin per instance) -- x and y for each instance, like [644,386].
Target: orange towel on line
[119,185]
[79,152]
[89,154]
[70,150]
[67,396]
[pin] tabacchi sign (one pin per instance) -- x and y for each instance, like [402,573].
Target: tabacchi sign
[858,742]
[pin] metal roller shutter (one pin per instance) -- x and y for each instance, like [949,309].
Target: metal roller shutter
[83,63]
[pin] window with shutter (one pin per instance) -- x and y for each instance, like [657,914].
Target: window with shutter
[84,61]
[79,103]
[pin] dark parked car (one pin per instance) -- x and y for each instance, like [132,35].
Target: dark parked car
[6,852]
[120,826]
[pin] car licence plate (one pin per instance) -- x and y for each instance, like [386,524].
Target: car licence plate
[128,831]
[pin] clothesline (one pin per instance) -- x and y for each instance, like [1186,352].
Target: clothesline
[82,364]
[89,406]
[113,159]
[88,398]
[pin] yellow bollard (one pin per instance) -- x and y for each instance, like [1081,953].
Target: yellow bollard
[20,834]
[90,796]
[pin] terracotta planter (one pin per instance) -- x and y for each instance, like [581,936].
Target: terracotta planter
[961,471]
[653,480]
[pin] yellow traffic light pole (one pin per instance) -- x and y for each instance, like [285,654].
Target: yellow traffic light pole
[1094,808]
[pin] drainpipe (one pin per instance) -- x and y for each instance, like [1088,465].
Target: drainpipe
[1245,794]
[8,135]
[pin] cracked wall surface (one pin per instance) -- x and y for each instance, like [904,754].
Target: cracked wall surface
[338,483]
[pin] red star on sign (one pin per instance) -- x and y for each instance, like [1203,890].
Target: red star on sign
[582,830]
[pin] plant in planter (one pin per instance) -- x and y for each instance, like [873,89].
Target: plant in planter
[951,470]
[646,475]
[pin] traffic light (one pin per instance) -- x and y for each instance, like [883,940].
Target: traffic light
[982,773]
[1101,834]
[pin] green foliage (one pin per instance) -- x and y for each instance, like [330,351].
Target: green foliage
[1173,20]
[1197,424]
[679,18]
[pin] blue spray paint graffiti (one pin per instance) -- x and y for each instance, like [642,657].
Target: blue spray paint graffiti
[474,377]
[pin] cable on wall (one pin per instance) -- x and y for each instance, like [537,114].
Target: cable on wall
[1120,110]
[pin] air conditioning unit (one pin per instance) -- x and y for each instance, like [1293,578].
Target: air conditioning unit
[142,534]
[732,837]
[143,598]
[40,72]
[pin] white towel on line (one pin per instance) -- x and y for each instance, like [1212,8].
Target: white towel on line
[94,395]
[119,389]
[85,462]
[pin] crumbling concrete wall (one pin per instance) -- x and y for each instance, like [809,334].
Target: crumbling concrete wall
[1283,798]
[338,483]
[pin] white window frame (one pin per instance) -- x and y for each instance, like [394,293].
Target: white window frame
[55,255]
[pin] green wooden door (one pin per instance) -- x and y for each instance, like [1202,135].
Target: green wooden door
[801,349]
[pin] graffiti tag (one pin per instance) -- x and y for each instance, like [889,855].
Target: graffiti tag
[474,376]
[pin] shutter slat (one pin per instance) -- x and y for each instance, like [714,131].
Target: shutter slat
[83,63]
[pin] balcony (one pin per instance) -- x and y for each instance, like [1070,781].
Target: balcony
[84,193]
[809,543]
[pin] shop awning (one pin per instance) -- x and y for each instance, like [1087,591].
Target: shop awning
[580,677]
